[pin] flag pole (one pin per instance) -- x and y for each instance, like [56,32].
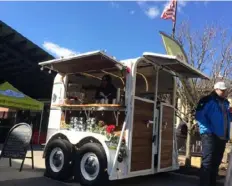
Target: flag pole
[174,23]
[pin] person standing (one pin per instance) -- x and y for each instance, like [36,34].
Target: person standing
[213,118]
[106,89]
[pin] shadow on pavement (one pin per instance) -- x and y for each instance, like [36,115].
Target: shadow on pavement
[161,179]
[12,173]
[35,147]
[193,171]
[40,181]
[16,163]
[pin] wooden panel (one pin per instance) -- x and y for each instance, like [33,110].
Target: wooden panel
[138,166]
[141,142]
[137,134]
[141,157]
[166,164]
[146,155]
[167,137]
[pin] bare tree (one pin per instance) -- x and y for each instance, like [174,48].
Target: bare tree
[210,51]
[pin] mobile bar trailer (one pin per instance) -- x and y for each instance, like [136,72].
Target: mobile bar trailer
[133,136]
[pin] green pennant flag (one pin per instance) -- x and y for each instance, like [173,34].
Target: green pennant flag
[173,48]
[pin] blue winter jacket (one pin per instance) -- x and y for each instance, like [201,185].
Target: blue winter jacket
[210,117]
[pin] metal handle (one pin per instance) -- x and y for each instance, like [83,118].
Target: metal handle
[164,125]
[149,122]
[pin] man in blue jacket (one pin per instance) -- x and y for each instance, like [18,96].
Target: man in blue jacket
[213,118]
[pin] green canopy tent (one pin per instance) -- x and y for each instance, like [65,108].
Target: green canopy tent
[10,97]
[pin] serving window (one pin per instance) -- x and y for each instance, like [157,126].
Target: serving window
[81,88]
[83,111]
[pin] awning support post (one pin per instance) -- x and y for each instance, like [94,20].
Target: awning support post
[40,124]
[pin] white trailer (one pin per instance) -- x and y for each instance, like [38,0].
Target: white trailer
[135,136]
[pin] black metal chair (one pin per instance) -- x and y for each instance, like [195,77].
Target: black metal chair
[17,142]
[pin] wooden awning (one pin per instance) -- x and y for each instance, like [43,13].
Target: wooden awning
[86,62]
[172,63]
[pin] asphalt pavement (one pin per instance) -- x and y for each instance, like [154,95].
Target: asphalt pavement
[10,176]
[145,181]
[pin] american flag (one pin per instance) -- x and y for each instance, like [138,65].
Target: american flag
[170,11]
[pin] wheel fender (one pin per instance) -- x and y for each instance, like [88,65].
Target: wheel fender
[56,135]
[76,137]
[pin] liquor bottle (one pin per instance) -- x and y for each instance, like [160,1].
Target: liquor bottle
[91,121]
[82,121]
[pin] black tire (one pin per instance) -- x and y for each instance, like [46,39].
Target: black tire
[102,177]
[66,171]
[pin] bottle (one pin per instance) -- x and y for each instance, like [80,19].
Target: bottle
[81,126]
[91,121]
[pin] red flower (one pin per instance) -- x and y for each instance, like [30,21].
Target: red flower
[110,129]
[128,70]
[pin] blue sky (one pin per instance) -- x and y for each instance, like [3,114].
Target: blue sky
[123,29]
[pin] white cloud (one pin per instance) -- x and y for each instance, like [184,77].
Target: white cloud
[152,12]
[180,6]
[114,4]
[132,12]
[57,50]
[206,3]
[141,3]
[182,3]
[166,4]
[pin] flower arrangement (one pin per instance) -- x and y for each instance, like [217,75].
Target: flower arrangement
[110,129]
[106,130]
[109,132]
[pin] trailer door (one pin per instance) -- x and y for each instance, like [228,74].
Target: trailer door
[166,149]
[166,158]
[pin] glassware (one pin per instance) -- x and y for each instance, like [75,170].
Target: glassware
[102,101]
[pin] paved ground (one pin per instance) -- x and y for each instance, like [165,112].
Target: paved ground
[10,176]
[11,173]
[145,181]
[38,181]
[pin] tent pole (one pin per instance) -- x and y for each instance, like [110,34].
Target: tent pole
[41,119]
[16,115]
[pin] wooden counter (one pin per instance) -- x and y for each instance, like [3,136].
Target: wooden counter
[94,107]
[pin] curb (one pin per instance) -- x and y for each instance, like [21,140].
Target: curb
[194,179]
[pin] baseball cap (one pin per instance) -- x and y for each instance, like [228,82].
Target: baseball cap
[220,85]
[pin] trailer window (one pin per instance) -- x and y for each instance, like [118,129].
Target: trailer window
[166,87]
[146,81]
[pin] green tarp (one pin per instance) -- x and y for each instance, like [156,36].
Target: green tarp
[10,97]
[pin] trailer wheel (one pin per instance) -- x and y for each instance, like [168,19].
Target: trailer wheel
[91,169]
[58,160]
